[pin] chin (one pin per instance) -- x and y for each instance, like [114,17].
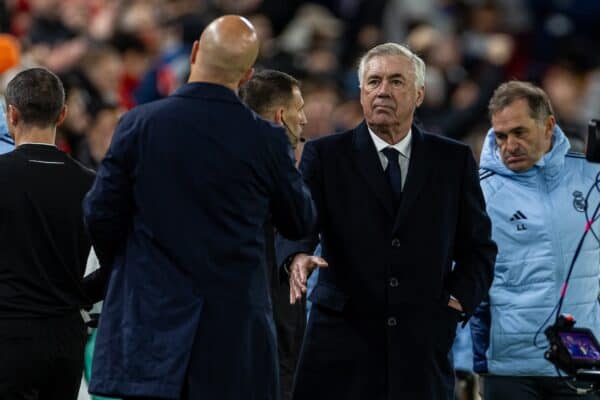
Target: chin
[381,120]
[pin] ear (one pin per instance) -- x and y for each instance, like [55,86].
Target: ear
[247,76]
[61,116]
[194,52]
[549,126]
[420,96]
[13,116]
[278,116]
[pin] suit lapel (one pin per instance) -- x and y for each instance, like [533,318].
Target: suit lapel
[370,168]
[418,170]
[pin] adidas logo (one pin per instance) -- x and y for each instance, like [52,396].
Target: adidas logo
[518,216]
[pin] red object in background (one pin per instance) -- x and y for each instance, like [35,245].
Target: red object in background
[63,145]
[10,52]
[166,81]
[127,86]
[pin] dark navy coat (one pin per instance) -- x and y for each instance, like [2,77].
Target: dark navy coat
[177,213]
[380,326]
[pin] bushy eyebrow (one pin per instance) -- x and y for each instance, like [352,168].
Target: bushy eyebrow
[516,128]
[393,76]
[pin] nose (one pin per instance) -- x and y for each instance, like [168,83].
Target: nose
[512,143]
[303,120]
[383,89]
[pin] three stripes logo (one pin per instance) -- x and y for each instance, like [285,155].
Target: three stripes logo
[519,216]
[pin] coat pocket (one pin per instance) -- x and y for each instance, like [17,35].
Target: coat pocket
[329,297]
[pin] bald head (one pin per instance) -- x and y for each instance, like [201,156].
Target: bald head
[226,52]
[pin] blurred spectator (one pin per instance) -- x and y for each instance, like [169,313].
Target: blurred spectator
[321,98]
[136,60]
[99,136]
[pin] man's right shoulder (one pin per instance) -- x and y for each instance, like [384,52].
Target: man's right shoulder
[332,141]
[490,182]
[8,158]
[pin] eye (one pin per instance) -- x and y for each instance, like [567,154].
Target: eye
[373,82]
[397,82]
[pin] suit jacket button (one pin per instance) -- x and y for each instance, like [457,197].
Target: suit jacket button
[394,282]
[395,242]
[392,321]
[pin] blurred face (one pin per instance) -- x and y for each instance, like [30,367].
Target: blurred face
[101,132]
[388,95]
[521,140]
[293,118]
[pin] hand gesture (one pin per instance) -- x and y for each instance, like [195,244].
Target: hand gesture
[300,268]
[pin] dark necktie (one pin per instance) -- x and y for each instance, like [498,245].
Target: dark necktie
[393,173]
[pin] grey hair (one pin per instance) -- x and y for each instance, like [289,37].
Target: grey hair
[508,92]
[394,49]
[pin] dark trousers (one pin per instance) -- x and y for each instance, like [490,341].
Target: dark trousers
[41,359]
[530,388]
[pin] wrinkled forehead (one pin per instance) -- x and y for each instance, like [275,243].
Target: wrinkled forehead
[389,64]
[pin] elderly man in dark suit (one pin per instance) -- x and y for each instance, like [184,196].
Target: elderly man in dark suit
[177,213]
[397,208]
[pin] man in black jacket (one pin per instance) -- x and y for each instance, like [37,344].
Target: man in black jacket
[43,247]
[276,97]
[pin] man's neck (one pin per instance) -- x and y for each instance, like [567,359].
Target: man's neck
[199,77]
[36,135]
[389,134]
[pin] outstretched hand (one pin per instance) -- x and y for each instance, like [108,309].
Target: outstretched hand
[300,268]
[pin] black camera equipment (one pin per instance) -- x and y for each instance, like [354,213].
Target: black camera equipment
[576,350]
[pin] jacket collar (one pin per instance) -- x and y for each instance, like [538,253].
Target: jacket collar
[207,91]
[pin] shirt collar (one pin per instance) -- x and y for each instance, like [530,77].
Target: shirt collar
[404,146]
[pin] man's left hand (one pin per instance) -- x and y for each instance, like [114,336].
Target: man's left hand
[453,303]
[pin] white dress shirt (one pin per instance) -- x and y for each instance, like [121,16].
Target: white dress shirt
[404,146]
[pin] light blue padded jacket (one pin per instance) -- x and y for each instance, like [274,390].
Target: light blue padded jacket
[6,142]
[538,217]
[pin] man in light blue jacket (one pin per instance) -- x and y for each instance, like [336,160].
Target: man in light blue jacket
[535,192]
[6,141]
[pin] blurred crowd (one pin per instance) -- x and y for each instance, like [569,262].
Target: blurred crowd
[114,54]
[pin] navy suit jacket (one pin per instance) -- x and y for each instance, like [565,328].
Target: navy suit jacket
[177,213]
[380,327]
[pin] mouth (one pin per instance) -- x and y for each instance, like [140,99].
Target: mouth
[383,107]
[511,159]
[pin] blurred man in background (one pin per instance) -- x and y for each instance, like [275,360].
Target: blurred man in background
[177,213]
[535,191]
[44,247]
[276,96]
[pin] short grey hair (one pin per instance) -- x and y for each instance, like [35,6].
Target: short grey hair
[394,49]
[508,92]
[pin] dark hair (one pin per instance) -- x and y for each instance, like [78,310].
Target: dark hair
[268,88]
[38,94]
[538,101]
